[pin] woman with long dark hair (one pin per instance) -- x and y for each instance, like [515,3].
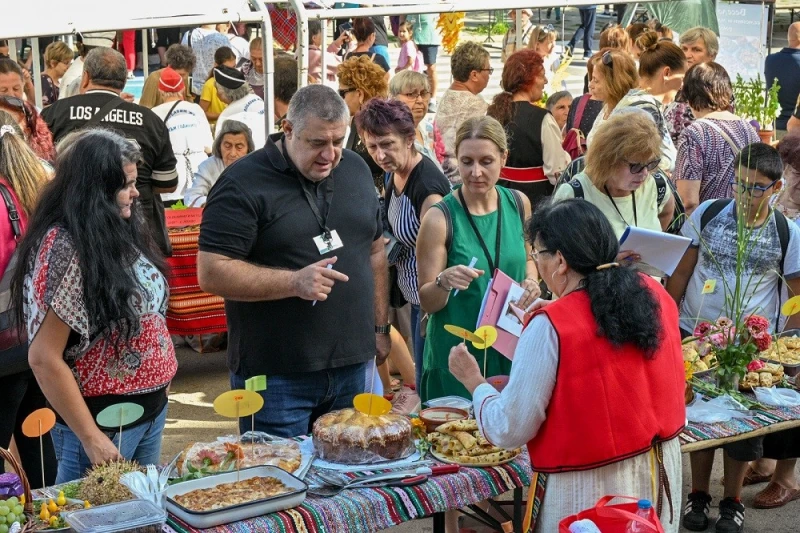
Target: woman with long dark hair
[535,156]
[22,176]
[605,357]
[92,291]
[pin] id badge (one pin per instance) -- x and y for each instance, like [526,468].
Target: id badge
[327,242]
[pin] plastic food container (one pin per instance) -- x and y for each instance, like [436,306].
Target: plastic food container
[450,401]
[215,517]
[436,416]
[132,516]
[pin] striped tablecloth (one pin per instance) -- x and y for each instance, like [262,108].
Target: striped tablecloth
[367,510]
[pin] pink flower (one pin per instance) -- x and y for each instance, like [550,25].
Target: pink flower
[756,324]
[762,341]
[719,339]
[208,457]
[724,322]
[755,365]
[702,329]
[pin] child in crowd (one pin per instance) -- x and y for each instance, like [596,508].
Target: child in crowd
[713,256]
[410,56]
[209,100]
[543,40]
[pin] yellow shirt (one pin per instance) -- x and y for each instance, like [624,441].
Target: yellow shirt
[209,94]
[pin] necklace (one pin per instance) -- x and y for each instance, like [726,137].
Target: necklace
[633,199]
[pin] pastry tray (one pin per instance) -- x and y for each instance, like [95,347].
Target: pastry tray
[448,459]
[243,511]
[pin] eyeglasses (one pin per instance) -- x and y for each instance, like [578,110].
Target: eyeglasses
[638,167]
[535,253]
[490,70]
[343,92]
[13,101]
[608,60]
[417,94]
[756,191]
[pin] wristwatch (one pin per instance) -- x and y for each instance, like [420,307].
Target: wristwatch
[383,330]
[439,283]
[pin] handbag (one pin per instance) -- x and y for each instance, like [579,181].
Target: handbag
[575,141]
[614,518]
[396,298]
[13,336]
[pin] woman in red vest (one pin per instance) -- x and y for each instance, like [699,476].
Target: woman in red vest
[597,381]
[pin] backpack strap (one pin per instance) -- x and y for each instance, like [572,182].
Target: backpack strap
[104,111]
[448,219]
[782,225]
[13,214]
[723,134]
[577,188]
[713,210]
[661,187]
[520,206]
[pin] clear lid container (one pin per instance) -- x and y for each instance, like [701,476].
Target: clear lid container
[134,516]
[450,401]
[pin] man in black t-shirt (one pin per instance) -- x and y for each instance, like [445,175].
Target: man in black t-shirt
[292,239]
[104,77]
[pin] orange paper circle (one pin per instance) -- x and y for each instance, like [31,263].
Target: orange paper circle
[238,402]
[371,404]
[39,422]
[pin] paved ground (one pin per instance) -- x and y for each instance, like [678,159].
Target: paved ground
[201,377]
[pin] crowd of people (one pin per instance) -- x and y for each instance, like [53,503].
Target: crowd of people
[380,212]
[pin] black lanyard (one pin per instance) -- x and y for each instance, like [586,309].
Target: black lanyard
[492,264]
[635,217]
[311,197]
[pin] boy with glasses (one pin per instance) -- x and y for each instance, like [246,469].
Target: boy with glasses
[713,256]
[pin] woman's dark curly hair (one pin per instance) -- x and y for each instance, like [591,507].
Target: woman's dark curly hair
[82,199]
[623,306]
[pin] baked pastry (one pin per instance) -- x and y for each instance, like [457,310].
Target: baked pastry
[224,456]
[460,441]
[231,494]
[351,437]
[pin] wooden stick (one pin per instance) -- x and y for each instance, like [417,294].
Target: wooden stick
[485,352]
[372,383]
[41,451]
[121,415]
[239,431]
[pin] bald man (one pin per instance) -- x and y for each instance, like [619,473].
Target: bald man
[785,66]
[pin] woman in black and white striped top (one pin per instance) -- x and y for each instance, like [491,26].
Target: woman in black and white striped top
[415,184]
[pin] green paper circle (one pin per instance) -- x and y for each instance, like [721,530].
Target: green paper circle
[120,414]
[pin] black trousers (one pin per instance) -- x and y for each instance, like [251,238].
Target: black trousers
[22,396]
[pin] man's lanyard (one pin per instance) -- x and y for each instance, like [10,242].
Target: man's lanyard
[311,198]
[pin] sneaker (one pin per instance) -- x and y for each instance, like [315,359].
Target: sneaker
[695,515]
[432,106]
[568,49]
[731,517]
[587,55]
[406,401]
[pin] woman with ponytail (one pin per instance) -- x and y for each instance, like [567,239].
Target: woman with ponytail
[602,364]
[534,138]
[21,177]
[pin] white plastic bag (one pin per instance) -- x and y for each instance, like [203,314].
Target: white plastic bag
[719,409]
[777,397]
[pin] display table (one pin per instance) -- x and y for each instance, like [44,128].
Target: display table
[369,510]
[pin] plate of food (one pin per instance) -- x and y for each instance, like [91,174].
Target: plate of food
[761,374]
[52,519]
[785,350]
[460,442]
[699,355]
[234,496]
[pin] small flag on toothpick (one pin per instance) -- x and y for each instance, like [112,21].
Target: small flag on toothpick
[709,286]
[256,383]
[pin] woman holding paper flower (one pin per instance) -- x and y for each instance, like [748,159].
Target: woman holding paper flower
[618,176]
[486,223]
[92,291]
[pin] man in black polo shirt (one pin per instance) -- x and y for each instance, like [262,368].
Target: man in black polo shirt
[99,104]
[292,239]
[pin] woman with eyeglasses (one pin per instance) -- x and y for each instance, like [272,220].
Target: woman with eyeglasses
[57,58]
[360,80]
[618,176]
[605,357]
[415,184]
[617,72]
[707,148]
[486,220]
[471,71]
[535,156]
[34,128]
[413,89]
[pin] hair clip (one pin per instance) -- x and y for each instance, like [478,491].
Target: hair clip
[6,129]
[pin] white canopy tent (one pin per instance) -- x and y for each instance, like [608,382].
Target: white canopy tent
[54,17]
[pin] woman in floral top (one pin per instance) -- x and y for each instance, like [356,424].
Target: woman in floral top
[92,292]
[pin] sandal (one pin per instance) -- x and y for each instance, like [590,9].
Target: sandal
[775,496]
[751,477]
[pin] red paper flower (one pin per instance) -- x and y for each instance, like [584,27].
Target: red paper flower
[762,341]
[756,324]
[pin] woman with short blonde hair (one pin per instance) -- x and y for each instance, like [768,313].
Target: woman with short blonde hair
[57,59]
[699,45]
[414,90]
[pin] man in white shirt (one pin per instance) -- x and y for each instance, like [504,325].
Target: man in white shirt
[189,131]
[243,105]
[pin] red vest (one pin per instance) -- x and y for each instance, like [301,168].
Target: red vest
[608,403]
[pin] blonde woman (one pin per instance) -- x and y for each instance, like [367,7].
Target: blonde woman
[57,58]
[543,41]
[613,76]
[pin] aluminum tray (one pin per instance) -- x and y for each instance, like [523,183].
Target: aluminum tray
[788,369]
[206,519]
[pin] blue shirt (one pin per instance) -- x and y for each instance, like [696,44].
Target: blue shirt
[784,65]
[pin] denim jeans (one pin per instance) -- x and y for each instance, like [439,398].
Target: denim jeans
[381,51]
[140,443]
[292,402]
[418,342]
[585,30]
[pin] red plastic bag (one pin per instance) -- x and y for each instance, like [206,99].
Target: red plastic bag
[614,518]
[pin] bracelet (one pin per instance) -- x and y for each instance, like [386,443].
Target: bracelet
[439,282]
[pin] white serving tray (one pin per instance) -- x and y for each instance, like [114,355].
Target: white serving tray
[243,511]
[307,447]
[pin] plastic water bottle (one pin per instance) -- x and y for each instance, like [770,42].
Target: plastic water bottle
[643,510]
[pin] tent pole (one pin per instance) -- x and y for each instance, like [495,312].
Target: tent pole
[37,71]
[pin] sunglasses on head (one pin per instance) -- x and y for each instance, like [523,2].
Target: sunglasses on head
[13,101]
[608,60]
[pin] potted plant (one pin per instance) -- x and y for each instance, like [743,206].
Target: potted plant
[753,101]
